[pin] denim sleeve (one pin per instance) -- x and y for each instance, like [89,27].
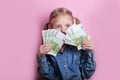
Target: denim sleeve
[45,68]
[88,65]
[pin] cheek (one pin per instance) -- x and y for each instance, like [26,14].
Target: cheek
[59,29]
[67,27]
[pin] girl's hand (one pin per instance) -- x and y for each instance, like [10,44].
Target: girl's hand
[44,49]
[88,44]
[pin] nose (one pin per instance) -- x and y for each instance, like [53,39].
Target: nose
[63,29]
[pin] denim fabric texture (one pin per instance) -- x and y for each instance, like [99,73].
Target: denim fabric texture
[69,64]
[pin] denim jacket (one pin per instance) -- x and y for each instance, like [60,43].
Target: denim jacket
[69,64]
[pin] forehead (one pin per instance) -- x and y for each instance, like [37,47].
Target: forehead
[62,19]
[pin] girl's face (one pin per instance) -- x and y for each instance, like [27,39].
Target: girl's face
[62,23]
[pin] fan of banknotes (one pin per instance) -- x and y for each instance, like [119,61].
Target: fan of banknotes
[75,34]
[54,38]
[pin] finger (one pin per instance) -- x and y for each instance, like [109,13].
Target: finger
[48,48]
[87,41]
[43,49]
[87,44]
[42,46]
[83,46]
[46,52]
[84,42]
[89,48]
[46,45]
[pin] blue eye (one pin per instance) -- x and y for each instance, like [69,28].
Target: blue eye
[57,27]
[68,25]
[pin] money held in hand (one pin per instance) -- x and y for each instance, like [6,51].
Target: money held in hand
[75,34]
[54,38]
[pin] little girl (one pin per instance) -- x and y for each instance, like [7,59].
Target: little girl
[69,63]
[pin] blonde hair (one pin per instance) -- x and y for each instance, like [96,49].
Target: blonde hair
[57,12]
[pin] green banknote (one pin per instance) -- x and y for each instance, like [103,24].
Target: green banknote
[54,38]
[76,35]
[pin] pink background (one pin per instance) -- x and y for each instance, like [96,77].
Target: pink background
[20,35]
